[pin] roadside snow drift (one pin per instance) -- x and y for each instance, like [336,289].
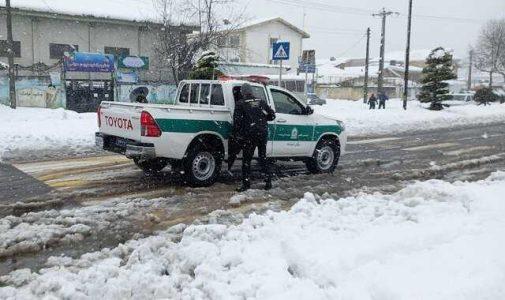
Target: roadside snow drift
[39,129]
[431,240]
[360,120]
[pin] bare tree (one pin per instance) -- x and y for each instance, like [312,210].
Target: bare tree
[490,49]
[189,28]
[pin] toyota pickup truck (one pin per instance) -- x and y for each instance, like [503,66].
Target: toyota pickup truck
[192,134]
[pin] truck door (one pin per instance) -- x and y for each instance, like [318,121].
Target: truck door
[260,93]
[294,129]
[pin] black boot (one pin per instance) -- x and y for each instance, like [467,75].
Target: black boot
[268,185]
[245,186]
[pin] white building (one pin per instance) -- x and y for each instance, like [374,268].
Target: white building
[252,43]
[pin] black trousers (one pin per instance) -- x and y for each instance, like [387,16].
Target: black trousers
[249,146]
[382,104]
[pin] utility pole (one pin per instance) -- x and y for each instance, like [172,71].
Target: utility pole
[382,14]
[365,85]
[407,59]
[10,52]
[469,83]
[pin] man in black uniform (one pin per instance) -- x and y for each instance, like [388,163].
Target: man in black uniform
[250,125]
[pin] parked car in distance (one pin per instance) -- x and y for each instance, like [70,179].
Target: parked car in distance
[313,99]
[462,97]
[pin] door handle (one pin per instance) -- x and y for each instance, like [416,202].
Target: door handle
[281,121]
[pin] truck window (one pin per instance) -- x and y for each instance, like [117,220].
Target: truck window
[204,93]
[286,104]
[259,93]
[184,95]
[217,97]
[195,87]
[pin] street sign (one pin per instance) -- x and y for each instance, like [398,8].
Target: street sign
[305,68]
[280,51]
[309,57]
[307,63]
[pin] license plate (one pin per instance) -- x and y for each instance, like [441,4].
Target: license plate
[99,142]
[120,142]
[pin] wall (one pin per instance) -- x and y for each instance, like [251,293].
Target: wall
[356,93]
[35,34]
[257,43]
[33,92]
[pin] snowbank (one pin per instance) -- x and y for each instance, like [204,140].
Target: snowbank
[41,129]
[431,240]
[360,120]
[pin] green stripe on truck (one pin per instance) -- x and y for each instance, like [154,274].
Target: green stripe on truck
[284,132]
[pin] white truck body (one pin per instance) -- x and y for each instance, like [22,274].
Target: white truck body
[205,108]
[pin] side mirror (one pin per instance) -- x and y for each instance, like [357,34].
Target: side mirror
[309,110]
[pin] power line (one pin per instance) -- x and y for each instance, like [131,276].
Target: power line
[353,46]
[359,11]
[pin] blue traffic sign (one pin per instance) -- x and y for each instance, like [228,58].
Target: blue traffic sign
[280,51]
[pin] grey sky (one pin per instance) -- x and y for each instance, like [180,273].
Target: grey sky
[331,33]
[336,32]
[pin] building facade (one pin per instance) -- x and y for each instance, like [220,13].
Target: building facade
[41,37]
[252,43]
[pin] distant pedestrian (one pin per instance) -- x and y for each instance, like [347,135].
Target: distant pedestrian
[372,101]
[382,100]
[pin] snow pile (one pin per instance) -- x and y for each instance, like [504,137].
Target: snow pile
[431,240]
[41,129]
[359,120]
[34,231]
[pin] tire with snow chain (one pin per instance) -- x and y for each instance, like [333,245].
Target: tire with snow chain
[202,166]
[151,165]
[325,157]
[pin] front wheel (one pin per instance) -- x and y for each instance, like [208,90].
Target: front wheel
[151,165]
[202,166]
[325,157]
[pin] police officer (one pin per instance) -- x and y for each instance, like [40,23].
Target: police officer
[250,126]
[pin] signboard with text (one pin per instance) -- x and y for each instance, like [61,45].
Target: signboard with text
[88,62]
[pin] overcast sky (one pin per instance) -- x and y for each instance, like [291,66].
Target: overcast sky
[337,31]
[338,28]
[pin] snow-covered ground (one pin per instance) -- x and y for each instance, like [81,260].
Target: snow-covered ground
[361,121]
[431,240]
[40,129]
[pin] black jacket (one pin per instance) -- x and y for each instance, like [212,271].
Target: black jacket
[251,118]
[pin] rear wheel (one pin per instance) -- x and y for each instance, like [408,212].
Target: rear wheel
[325,157]
[151,165]
[202,166]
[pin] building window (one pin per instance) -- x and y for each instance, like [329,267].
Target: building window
[273,41]
[234,41]
[4,49]
[117,51]
[56,51]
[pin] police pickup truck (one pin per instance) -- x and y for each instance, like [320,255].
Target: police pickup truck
[192,135]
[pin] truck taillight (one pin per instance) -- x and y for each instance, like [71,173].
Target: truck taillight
[148,126]
[98,110]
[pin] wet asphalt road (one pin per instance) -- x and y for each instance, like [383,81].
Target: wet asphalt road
[376,164]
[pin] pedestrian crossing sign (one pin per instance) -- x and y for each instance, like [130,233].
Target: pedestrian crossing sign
[280,51]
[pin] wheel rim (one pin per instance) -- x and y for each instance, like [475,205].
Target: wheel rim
[325,158]
[203,166]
